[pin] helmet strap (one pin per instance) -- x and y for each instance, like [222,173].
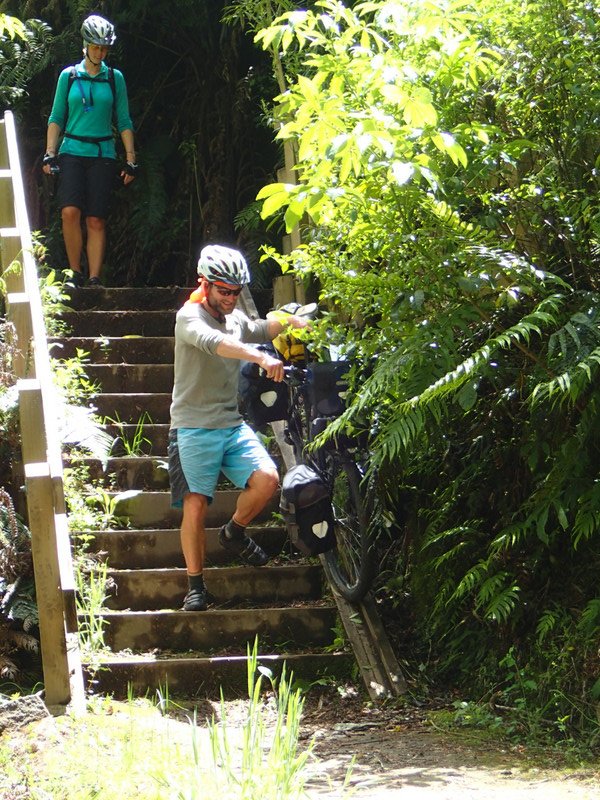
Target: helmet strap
[86,53]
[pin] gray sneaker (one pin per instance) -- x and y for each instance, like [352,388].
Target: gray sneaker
[195,600]
[244,548]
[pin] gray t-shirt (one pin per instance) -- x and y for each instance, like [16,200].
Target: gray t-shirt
[206,385]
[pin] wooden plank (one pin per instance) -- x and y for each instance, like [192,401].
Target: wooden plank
[40,507]
[11,248]
[19,313]
[63,675]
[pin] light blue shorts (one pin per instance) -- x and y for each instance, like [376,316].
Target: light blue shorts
[197,457]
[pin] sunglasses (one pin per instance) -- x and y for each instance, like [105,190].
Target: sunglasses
[227,292]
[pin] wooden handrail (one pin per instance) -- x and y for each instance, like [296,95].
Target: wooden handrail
[40,447]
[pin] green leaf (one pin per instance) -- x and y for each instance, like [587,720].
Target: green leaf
[467,396]
[419,114]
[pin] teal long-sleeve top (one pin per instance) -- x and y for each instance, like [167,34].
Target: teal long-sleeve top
[94,117]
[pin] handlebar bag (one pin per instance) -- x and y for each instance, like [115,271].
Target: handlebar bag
[292,349]
[305,503]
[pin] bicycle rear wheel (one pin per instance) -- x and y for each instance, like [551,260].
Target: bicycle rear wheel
[350,566]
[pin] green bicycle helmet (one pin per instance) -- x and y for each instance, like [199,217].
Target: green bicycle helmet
[97,30]
[223,264]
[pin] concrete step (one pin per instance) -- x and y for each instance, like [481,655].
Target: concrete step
[213,631]
[142,438]
[129,298]
[131,472]
[153,509]
[127,472]
[131,378]
[115,350]
[130,407]
[206,677]
[128,334]
[119,323]
[161,548]
[148,589]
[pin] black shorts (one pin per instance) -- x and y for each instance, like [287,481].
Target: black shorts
[86,183]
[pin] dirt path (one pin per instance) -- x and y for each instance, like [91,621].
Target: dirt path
[398,755]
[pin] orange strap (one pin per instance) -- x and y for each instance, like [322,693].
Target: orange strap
[199,295]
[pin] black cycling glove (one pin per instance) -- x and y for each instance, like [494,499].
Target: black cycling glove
[52,162]
[130,168]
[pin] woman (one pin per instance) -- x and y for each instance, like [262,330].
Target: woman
[89,97]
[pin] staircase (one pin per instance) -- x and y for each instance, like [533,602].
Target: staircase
[152,643]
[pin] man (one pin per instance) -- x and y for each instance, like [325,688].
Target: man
[208,435]
[89,97]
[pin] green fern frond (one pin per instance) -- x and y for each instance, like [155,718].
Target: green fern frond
[587,518]
[471,580]
[498,599]
[511,536]
[569,385]
[590,616]
[533,323]
[442,562]
[401,432]
[502,605]
[23,58]
[546,624]
[465,530]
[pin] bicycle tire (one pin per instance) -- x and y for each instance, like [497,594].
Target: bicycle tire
[350,565]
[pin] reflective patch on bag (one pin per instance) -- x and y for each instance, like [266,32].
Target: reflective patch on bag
[268,399]
[320,529]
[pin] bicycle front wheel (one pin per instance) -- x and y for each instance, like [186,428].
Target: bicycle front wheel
[350,565]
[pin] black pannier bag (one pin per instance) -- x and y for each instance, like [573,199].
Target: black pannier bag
[306,507]
[339,441]
[327,387]
[261,400]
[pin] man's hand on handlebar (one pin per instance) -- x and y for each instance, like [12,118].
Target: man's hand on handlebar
[273,367]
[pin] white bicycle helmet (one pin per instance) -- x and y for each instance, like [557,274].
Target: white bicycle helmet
[97,30]
[218,263]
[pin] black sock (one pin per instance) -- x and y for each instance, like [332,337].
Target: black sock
[196,582]
[233,530]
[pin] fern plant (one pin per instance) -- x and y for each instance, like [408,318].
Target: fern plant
[455,244]
[18,610]
[24,53]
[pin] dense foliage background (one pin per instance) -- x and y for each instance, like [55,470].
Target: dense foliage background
[204,143]
[447,192]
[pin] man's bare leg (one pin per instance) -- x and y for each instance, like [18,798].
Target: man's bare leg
[193,545]
[232,536]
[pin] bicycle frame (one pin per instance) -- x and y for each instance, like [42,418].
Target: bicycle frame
[349,565]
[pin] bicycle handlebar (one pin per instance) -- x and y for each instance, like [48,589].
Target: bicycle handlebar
[293,375]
